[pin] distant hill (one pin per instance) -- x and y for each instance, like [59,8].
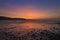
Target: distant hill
[32,20]
[8,18]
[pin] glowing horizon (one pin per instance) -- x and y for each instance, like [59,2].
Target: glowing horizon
[27,10]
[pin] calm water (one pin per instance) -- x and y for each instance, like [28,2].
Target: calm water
[27,28]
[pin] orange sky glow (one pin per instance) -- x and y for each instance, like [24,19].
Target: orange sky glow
[30,9]
[27,12]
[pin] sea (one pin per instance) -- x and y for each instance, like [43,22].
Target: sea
[28,30]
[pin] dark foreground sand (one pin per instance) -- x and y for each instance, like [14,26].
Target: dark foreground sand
[39,35]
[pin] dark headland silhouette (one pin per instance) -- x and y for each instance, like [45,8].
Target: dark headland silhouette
[32,20]
[8,18]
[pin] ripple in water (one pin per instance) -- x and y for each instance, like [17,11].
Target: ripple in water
[28,30]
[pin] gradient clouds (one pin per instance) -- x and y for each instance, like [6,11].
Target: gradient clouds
[30,9]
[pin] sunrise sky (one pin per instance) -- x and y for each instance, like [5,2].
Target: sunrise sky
[30,9]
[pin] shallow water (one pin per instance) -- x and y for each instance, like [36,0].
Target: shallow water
[22,28]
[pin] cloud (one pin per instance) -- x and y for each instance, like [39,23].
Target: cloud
[28,12]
